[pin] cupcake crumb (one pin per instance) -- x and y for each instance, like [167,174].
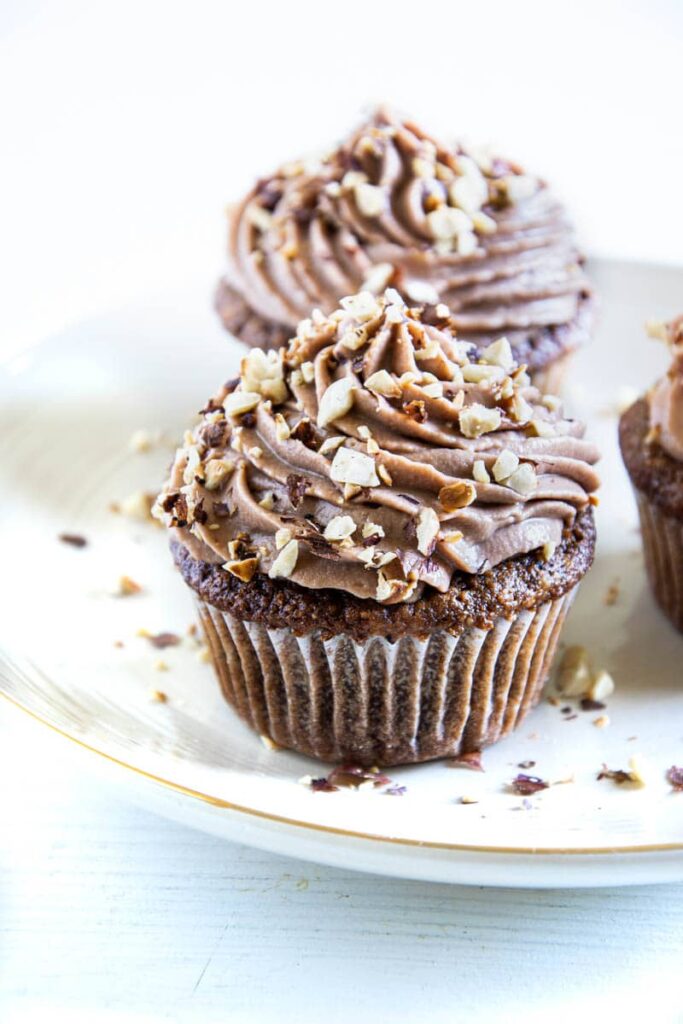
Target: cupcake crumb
[468,800]
[674,777]
[141,441]
[611,594]
[601,722]
[159,640]
[159,697]
[126,587]
[74,540]
[526,785]
[635,777]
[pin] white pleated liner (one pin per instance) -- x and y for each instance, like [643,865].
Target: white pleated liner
[663,545]
[385,703]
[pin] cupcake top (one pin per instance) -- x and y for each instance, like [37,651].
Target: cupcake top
[392,206]
[666,397]
[374,455]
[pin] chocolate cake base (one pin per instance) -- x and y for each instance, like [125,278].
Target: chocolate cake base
[347,680]
[546,351]
[657,481]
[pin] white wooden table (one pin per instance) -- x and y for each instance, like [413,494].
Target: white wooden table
[130,125]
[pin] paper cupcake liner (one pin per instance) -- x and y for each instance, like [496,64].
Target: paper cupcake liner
[663,544]
[383,703]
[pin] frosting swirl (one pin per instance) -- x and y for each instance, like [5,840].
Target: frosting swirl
[392,206]
[373,455]
[666,397]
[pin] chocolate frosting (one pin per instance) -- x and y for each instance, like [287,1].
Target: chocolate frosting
[392,206]
[666,398]
[373,455]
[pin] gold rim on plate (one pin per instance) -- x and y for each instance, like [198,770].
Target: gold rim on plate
[280,819]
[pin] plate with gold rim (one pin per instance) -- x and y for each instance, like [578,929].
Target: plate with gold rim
[76,656]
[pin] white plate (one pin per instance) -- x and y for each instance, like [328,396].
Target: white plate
[68,410]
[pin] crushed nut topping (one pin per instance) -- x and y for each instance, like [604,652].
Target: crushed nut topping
[382,383]
[285,563]
[353,467]
[457,495]
[477,419]
[243,569]
[427,530]
[339,528]
[336,401]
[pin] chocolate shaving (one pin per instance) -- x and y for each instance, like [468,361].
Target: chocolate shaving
[617,775]
[76,540]
[527,785]
[296,488]
[471,760]
[319,546]
[306,432]
[200,515]
[674,777]
[213,435]
[248,420]
[323,786]
[526,764]
[162,640]
[180,517]
[395,790]
[369,542]
[588,704]
[212,405]
[351,776]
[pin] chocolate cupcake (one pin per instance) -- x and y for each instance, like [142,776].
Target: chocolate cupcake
[392,206]
[651,438]
[384,530]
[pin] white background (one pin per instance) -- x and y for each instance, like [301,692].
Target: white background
[124,129]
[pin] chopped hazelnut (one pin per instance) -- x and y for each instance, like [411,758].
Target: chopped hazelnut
[331,444]
[504,466]
[282,431]
[382,383]
[216,471]
[336,401]
[339,528]
[427,530]
[282,537]
[370,199]
[243,569]
[352,467]
[285,563]
[523,480]
[239,402]
[480,472]
[574,675]
[457,495]
[477,419]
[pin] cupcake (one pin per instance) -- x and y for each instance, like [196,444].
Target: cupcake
[651,438]
[384,530]
[392,206]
